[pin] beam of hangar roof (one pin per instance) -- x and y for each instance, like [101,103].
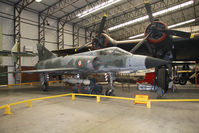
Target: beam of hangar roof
[161,12]
[58,6]
[131,14]
[90,9]
[170,19]
[134,13]
[67,17]
[125,8]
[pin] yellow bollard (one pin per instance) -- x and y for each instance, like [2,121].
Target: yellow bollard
[98,99]
[7,111]
[73,97]
[148,104]
[29,104]
[8,86]
[30,84]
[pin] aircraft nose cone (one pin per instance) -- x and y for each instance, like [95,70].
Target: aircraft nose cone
[154,62]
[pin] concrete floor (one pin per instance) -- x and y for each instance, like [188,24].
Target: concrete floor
[84,115]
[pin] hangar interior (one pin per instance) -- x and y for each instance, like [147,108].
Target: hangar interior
[59,25]
[67,27]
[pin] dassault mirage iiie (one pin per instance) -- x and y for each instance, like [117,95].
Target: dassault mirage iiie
[110,60]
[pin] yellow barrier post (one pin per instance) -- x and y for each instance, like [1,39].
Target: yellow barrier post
[7,111]
[98,99]
[148,104]
[30,84]
[73,97]
[29,104]
[139,99]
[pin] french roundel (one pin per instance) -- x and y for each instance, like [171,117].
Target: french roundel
[79,63]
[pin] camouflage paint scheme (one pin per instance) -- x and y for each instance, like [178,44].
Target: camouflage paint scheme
[111,59]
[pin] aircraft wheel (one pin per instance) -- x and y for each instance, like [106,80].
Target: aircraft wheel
[160,92]
[44,86]
[109,92]
[176,80]
[162,79]
[182,81]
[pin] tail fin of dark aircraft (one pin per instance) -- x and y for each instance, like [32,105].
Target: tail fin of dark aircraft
[44,53]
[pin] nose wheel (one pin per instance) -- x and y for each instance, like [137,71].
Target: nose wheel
[109,92]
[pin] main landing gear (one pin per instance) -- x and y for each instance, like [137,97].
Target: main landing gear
[44,81]
[110,91]
[162,81]
[162,78]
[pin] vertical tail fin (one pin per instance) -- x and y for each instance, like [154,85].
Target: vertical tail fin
[44,53]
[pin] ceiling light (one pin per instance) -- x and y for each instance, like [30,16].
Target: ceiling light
[38,0]
[154,14]
[173,8]
[171,26]
[97,8]
[182,23]
[128,23]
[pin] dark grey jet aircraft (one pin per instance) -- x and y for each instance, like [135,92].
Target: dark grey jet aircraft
[110,60]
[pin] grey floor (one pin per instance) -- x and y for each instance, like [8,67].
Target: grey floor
[84,115]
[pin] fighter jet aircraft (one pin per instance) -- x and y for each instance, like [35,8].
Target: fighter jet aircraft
[110,60]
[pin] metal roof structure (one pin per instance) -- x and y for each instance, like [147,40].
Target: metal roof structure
[66,11]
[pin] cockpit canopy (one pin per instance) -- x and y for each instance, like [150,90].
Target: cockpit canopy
[112,51]
[107,51]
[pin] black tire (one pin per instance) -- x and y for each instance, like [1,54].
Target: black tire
[160,93]
[182,81]
[162,78]
[176,80]
[109,93]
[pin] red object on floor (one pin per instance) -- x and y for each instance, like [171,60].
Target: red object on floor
[149,78]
